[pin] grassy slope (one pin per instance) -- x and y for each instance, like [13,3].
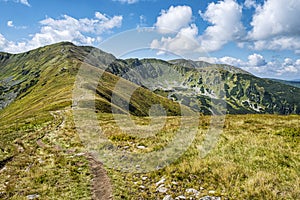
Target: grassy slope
[46,171]
[31,118]
[257,157]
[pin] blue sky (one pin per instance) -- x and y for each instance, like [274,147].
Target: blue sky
[261,36]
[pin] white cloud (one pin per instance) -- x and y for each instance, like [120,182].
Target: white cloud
[276,17]
[278,43]
[10,24]
[288,66]
[231,61]
[128,1]
[184,42]
[286,70]
[173,19]
[275,26]
[24,2]
[225,60]
[256,60]
[225,17]
[67,29]
[212,60]
[2,41]
[250,4]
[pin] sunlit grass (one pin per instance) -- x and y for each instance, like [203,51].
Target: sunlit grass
[257,157]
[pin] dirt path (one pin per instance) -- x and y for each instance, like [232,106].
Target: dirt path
[101,185]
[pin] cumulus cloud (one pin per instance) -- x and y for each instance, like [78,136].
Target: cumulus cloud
[173,19]
[225,17]
[275,26]
[276,17]
[232,61]
[184,41]
[256,60]
[67,29]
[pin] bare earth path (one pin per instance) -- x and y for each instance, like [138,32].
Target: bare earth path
[101,185]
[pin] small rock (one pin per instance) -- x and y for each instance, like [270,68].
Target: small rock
[32,196]
[162,189]
[201,188]
[3,169]
[174,183]
[211,192]
[80,154]
[160,182]
[63,69]
[168,197]
[191,190]
[144,178]
[141,147]
[210,198]
[142,187]
[205,198]
[180,197]
[20,149]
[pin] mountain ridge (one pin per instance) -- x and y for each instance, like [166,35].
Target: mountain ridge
[192,83]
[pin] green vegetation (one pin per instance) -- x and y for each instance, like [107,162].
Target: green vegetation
[252,160]
[256,157]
